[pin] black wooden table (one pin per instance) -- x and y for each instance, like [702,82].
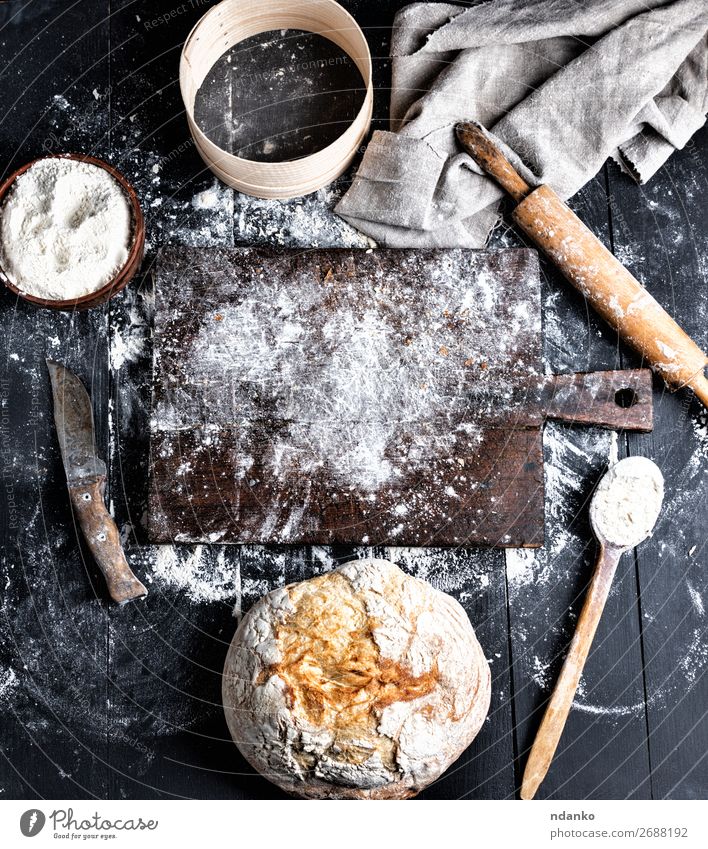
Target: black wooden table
[97,701]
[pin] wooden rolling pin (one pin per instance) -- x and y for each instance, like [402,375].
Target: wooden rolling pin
[613,292]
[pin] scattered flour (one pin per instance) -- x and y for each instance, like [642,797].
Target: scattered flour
[358,375]
[129,337]
[302,222]
[696,598]
[208,199]
[463,572]
[520,566]
[8,683]
[568,458]
[203,576]
[541,673]
[65,229]
[700,429]
[696,658]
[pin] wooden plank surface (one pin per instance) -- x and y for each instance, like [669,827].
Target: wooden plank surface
[126,703]
[603,752]
[347,396]
[662,234]
[165,728]
[53,622]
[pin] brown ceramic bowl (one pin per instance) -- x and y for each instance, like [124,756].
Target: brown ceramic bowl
[135,255]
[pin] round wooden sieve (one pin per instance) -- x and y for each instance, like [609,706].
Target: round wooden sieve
[232,21]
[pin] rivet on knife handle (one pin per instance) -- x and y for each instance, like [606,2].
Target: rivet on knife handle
[103,539]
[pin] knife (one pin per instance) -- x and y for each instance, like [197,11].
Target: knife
[86,478]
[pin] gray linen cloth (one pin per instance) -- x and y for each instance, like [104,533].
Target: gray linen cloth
[563,84]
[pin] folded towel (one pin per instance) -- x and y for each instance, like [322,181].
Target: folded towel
[563,84]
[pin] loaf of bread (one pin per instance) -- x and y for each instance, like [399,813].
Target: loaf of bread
[360,683]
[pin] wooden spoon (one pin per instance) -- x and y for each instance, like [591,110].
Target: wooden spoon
[623,512]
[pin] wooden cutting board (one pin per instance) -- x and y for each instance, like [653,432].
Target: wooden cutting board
[360,397]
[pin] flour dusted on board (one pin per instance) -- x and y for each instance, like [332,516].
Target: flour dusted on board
[65,229]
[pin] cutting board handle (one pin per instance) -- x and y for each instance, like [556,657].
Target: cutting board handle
[613,399]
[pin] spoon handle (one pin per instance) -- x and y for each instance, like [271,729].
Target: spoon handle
[549,733]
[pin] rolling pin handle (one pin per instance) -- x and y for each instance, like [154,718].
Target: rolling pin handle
[488,156]
[699,385]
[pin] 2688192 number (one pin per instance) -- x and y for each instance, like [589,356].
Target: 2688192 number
[662,832]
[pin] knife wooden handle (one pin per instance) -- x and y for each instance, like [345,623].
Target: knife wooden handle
[103,539]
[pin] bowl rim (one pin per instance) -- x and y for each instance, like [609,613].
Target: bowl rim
[124,274]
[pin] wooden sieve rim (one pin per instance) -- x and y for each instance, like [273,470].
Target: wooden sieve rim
[232,21]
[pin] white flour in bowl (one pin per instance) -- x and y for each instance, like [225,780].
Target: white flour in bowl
[65,229]
[627,502]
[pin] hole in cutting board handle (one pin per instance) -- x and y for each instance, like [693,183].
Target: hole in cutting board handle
[626,398]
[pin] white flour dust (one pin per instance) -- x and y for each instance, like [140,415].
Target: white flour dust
[694,662]
[66,229]
[8,684]
[354,370]
[568,458]
[303,222]
[129,337]
[463,573]
[354,385]
[696,599]
[203,575]
[700,430]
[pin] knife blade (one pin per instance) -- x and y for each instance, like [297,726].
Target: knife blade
[86,479]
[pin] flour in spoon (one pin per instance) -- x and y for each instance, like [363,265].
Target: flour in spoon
[65,229]
[627,502]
